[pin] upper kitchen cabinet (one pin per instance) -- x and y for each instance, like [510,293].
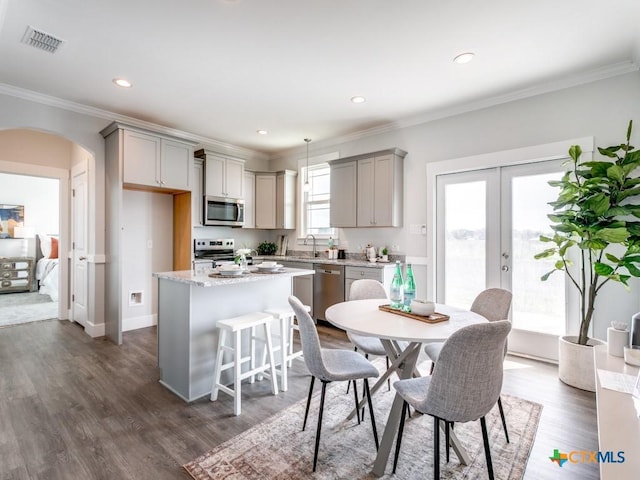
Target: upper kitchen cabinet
[344,177]
[197,203]
[368,190]
[151,160]
[286,199]
[249,200]
[275,200]
[223,177]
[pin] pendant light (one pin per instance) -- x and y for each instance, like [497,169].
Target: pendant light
[306,186]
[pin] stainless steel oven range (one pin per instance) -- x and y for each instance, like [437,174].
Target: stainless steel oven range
[214,251]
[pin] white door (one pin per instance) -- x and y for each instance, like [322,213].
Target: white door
[488,226]
[79,276]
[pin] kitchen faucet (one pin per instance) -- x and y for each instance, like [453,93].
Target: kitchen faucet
[315,254]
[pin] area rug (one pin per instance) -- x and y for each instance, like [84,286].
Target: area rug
[18,308]
[278,449]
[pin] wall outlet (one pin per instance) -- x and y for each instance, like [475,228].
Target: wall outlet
[395,248]
[135,298]
[149,243]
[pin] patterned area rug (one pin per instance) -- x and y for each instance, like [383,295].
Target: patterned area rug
[278,449]
[17,308]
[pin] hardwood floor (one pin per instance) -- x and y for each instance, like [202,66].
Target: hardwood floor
[73,407]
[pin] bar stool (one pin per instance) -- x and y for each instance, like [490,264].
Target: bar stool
[285,317]
[236,326]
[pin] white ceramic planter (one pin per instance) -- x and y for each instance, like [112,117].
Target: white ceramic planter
[575,362]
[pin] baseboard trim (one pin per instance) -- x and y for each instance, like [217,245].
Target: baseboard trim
[94,330]
[143,321]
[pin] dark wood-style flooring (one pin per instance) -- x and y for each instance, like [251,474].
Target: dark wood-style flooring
[72,407]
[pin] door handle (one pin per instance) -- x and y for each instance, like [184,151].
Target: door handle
[505,268]
[82,258]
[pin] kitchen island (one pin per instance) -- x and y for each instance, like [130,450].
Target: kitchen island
[190,303]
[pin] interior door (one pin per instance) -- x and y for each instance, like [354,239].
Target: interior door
[487,230]
[79,277]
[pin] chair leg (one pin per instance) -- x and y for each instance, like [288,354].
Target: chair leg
[355,394]
[237,371]
[433,364]
[373,419]
[315,453]
[388,379]
[436,448]
[355,349]
[487,452]
[447,437]
[405,407]
[306,412]
[504,420]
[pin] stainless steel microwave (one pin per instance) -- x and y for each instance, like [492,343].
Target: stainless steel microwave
[223,211]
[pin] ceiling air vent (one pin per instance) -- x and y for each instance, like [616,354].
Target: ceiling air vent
[41,40]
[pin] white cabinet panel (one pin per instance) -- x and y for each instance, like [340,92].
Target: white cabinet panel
[141,159]
[343,194]
[286,199]
[249,189]
[265,200]
[153,161]
[197,199]
[224,177]
[367,190]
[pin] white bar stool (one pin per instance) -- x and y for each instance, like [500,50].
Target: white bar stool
[235,326]
[285,316]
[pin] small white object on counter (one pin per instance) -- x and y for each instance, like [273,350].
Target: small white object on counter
[617,340]
[632,356]
[422,307]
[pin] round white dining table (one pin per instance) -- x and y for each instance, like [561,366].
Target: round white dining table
[365,318]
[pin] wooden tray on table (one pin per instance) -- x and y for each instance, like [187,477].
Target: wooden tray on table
[433,318]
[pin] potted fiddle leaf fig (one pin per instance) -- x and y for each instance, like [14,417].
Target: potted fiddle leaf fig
[596,240]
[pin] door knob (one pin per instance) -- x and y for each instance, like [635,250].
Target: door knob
[505,268]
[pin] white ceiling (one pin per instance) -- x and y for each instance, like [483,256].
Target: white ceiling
[222,69]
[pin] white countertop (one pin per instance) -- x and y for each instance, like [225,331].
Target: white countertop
[346,262]
[202,278]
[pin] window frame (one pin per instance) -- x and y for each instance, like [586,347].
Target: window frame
[316,163]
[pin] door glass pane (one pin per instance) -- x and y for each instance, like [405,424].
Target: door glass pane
[464,242]
[537,306]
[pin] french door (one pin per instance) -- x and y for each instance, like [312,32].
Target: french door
[488,224]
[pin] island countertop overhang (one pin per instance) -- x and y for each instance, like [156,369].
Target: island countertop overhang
[202,279]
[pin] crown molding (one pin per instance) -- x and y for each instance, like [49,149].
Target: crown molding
[205,142]
[591,76]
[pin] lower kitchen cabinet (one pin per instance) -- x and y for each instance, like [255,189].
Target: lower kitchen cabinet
[303,285]
[382,275]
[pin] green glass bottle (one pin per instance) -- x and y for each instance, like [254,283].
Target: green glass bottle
[409,288]
[396,288]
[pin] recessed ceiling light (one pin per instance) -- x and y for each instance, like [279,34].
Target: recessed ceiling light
[464,58]
[262,132]
[121,82]
[358,99]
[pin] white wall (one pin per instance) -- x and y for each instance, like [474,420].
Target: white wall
[601,109]
[39,197]
[147,230]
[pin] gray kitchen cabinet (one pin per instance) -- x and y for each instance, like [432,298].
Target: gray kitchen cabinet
[286,199]
[249,199]
[344,180]
[150,160]
[275,200]
[382,275]
[223,177]
[265,201]
[368,190]
[197,198]
[302,286]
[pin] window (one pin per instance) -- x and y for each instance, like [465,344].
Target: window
[315,203]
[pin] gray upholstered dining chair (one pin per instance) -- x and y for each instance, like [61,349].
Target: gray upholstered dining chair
[329,365]
[493,304]
[465,384]
[365,289]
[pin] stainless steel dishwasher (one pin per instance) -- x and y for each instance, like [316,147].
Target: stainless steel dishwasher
[328,288]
